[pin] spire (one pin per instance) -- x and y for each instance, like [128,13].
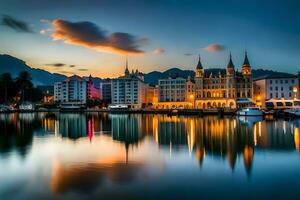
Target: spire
[126,69]
[246,61]
[199,65]
[230,64]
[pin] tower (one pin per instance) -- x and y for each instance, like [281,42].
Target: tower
[230,66]
[199,79]
[126,69]
[246,69]
[199,69]
[230,79]
[246,73]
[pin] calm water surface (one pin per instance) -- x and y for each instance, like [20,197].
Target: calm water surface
[106,156]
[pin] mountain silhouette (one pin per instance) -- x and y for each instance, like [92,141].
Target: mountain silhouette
[14,66]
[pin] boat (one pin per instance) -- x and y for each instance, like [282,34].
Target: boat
[26,107]
[71,107]
[293,112]
[250,111]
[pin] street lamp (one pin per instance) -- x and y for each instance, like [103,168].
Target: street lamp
[295,90]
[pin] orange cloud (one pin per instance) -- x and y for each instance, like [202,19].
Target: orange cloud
[159,51]
[89,35]
[213,48]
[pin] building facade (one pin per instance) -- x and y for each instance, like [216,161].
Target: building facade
[275,87]
[129,90]
[93,91]
[105,88]
[175,93]
[73,89]
[215,88]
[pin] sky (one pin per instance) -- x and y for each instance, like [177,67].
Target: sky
[95,36]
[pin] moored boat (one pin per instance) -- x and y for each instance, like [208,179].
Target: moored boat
[250,111]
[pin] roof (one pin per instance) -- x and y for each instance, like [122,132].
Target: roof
[244,100]
[199,65]
[276,76]
[246,61]
[230,64]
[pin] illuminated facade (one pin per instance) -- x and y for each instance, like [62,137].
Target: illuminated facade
[275,87]
[73,89]
[130,90]
[176,93]
[223,87]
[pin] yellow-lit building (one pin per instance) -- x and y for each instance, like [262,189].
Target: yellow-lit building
[216,88]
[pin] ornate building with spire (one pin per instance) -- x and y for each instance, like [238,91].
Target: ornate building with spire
[215,88]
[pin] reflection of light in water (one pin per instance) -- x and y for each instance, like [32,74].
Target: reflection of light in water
[56,132]
[259,129]
[284,127]
[297,138]
[255,134]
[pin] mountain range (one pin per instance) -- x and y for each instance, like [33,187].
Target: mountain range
[14,66]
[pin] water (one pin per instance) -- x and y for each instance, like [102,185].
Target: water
[103,156]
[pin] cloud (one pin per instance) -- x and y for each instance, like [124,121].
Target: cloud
[89,35]
[214,48]
[56,64]
[15,24]
[158,51]
[45,31]
[188,54]
[83,70]
[72,66]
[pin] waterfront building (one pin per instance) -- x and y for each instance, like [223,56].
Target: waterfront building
[48,93]
[175,93]
[105,88]
[219,87]
[277,87]
[93,91]
[73,89]
[130,89]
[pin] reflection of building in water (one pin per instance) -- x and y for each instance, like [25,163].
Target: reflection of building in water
[276,135]
[126,128]
[72,126]
[172,131]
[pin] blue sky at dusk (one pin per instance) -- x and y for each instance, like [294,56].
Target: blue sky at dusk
[94,37]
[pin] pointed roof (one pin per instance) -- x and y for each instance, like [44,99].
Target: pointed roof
[230,64]
[126,69]
[199,65]
[246,61]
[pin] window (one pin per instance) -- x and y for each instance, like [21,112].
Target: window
[271,88]
[276,81]
[276,88]
[286,81]
[281,81]
[290,94]
[293,81]
[282,95]
[271,81]
[276,95]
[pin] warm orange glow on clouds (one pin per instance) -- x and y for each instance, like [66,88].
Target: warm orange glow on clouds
[89,35]
[213,48]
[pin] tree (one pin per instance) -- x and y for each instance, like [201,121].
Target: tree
[6,85]
[24,83]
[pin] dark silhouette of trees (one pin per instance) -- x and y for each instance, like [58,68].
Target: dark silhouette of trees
[19,89]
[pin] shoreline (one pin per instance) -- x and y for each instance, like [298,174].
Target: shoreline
[170,112]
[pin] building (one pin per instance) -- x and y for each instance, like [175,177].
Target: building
[275,87]
[48,93]
[219,87]
[93,92]
[129,89]
[73,89]
[105,88]
[175,93]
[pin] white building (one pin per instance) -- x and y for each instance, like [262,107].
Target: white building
[172,89]
[129,90]
[275,87]
[73,89]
